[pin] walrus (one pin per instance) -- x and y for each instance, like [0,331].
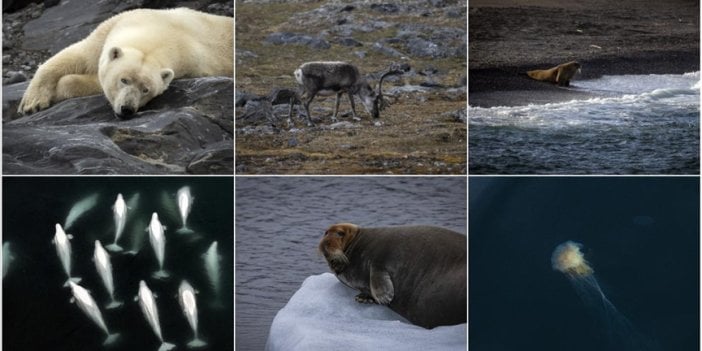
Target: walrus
[417,271]
[561,74]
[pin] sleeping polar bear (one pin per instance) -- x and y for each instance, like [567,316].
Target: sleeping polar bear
[132,57]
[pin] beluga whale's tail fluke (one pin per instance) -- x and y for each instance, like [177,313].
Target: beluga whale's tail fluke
[111,338]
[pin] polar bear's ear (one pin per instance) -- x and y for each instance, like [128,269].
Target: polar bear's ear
[115,53]
[167,76]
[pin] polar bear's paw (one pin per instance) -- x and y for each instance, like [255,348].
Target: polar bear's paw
[35,100]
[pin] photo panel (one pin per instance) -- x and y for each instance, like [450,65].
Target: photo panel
[117,263]
[296,290]
[584,263]
[96,87]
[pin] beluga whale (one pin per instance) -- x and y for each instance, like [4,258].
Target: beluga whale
[104,269]
[79,208]
[185,203]
[148,307]
[212,260]
[86,303]
[186,298]
[157,238]
[119,213]
[63,250]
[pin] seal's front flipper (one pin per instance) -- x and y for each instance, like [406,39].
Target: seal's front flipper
[364,298]
[381,286]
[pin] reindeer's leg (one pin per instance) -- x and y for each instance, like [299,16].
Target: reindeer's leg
[353,107]
[336,106]
[307,108]
[292,103]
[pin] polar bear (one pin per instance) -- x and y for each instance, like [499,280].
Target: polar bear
[132,57]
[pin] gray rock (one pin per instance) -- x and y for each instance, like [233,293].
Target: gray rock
[386,50]
[188,129]
[424,48]
[61,26]
[14,77]
[349,42]
[385,8]
[286,38]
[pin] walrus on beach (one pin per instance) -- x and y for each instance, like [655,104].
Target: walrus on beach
[417,271]
[561,74]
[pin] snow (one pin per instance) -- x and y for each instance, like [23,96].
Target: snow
[323,315]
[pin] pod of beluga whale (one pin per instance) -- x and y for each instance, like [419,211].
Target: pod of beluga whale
[148,307]
[104,269]
[186,293]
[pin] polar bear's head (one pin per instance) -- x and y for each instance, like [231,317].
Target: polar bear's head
[129,79]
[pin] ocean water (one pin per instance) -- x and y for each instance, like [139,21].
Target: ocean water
[636,124]
[639,234]
[280,221]
[37,313]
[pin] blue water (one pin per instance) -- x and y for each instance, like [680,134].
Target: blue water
[280,220]
[636,124]
[37,314]
[640,235]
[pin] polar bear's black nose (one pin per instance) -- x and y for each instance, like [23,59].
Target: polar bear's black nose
[126,111]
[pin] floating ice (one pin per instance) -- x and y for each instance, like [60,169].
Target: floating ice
[323,315]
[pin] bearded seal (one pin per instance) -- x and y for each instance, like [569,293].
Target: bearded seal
[561,74]
[417,271]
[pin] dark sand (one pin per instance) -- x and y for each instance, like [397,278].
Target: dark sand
[508,38]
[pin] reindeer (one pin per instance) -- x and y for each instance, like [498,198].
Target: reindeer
[327,78]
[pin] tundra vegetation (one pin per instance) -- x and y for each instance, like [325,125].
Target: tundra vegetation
[422,131]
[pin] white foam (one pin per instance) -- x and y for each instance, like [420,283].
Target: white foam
[620,100]
[323,315]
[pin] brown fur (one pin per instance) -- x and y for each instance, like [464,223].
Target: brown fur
[336,239]
[561,74]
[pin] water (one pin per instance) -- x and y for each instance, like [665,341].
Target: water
[280,221]
[36,308]
[637,124]
[640,235]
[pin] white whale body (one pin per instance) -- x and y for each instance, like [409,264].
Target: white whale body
[79,208]
[186,298]
[63,250]
[148,307]
[86,303]
[119,213]
[104,269]
[158,243]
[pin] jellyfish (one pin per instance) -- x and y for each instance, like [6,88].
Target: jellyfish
[621,334]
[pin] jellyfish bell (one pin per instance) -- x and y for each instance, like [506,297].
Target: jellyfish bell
[567,258]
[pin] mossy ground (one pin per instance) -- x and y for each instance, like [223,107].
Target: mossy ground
[415,136]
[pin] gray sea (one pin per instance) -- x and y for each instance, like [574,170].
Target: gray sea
[280,220]
[637,124]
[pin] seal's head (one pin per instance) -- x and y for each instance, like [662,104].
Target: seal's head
[335,240]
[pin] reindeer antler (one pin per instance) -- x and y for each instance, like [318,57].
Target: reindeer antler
[394,69]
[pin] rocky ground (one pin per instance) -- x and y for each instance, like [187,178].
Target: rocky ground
[423,131]
[508,38]
[189,129]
